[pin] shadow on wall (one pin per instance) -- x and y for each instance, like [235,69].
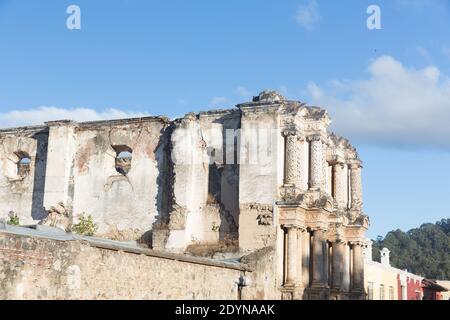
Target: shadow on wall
[38,211]
[223,180]
[165,181]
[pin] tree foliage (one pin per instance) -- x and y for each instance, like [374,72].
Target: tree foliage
[424,251]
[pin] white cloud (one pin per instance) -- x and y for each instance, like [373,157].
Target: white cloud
[394,105]
[308,15]
[217,101]
[42,114]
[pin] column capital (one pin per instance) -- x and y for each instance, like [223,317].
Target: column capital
[291,131]
[335,160]
[338,165]
[318,228]
[314,137]
[359,243]
[355,164]
[293,226]
[289,226]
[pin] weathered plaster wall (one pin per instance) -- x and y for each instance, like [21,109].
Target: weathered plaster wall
[38,268]
[206,179]
[23,194]
[261,156]
[118,201]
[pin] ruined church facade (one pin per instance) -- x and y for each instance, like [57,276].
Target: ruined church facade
[266,174]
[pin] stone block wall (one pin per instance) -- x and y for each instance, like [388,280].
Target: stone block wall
[42,268]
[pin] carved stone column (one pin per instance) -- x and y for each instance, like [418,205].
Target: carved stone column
[356,186]
[306,257]
[291,156]
[340,194]
[358,267]
[316,164]
[291,164]
[300,235]
[345,286]
[291,255]
[319,258]
[338,264]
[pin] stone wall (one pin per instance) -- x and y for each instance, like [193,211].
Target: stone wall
[55,267]
[118,201]
[23,193]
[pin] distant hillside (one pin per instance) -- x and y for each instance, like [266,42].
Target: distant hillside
[423,251]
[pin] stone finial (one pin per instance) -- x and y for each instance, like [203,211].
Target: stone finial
[269,96]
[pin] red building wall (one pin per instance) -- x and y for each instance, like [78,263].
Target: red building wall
[413,289]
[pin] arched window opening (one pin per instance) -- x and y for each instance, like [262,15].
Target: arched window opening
[123,159]
[23,165]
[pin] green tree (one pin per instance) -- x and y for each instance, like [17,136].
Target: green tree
[424,250]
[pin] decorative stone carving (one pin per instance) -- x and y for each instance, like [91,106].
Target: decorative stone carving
[257,206]
[362,220]
[264,212]
[269,96]
[58,216]
[288,193]
[316,200]
[287,295]
[177,218]
[265,218]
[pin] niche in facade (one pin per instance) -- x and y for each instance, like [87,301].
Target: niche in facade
[123,159]
[23,165]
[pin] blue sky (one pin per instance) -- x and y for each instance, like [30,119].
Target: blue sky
[387,90]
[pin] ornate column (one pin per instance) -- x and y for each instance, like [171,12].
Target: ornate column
[316,163]
[338,264]
[345,286]
[358,267]
[291,156]
[291,255]
[319,257]
[356,186]
[291,164]
[339,184]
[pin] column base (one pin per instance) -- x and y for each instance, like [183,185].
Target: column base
[318,293]
[357,294]
[339,294]
[292,292]
[319,285]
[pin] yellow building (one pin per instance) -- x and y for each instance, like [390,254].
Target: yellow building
[380,279]
[445,284]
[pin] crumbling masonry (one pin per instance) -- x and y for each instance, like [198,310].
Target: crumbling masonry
[266,174]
